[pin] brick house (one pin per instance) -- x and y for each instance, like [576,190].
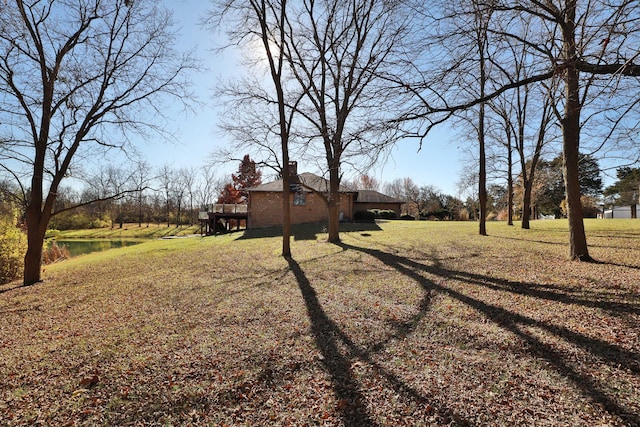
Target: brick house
[265,201]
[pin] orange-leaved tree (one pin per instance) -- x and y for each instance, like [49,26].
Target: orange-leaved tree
[247,176]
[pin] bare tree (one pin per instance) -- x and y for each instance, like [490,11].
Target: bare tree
[585,35]
[411,194]
[341,53]
[264,22]
[208,186]
[515,111]
[74,77]
[118,180]
[363,182]
[141,177]
[396,188]
[188,182]
[167,177]
[482,16]
[593,38]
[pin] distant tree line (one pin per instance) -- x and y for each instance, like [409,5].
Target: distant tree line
[143,195]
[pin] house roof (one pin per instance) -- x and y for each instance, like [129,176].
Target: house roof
[308,179]
[371,196]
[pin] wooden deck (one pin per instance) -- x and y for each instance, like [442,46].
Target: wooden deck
[218,218]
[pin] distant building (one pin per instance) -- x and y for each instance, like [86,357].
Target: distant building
[265,201]
[618,212]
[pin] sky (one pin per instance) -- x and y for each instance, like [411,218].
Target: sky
[437,163]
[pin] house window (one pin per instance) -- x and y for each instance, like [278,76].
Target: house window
[299,198]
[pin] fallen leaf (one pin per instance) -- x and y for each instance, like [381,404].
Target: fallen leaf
[89,381]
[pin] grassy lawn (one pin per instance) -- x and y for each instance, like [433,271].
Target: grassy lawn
[404,323]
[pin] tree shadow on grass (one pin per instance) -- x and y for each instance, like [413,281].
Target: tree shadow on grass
[329,337]
[515,323]
[603,246]
[11,288]
[307,231]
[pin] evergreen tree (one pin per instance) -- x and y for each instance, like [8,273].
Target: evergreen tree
[552,191]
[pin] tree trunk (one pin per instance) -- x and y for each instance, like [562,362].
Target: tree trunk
[33,259]
[482,178]
[509,188]
[286,205]
[37,217]
[35,238]
[571,142]
[577,238]
[334,204]
[526,204]
[482,190]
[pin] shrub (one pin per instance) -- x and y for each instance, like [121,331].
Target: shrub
[13,245]
[386,214]
[407,216]
[438,214]
[54,253]
[364,216]
[503,214]
[99,223]
[72,220]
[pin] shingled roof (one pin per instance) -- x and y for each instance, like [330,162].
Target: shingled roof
[371,196]
[308,179]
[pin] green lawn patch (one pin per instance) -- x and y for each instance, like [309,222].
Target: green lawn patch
[403,323]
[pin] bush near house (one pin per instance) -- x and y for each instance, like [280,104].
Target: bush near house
[371,215]
[385,213]
[364,216]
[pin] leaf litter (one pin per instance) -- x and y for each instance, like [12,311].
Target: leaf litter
[403,327]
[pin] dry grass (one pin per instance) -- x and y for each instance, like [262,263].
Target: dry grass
[414,323]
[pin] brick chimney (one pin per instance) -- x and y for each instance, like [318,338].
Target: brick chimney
[293,169]
[293,172]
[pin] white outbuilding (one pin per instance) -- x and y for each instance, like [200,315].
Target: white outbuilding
[618,212]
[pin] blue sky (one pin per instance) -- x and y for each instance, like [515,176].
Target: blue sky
[437,163]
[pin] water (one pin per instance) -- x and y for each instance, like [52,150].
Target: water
[86,246]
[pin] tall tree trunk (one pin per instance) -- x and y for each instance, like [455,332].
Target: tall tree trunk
[35,238]
[482,187]
[510,189]
[482,178]
[571,141]
[286,203]
[37,218]
[334,203]
[526,204]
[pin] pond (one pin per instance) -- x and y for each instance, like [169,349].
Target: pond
[85,246]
